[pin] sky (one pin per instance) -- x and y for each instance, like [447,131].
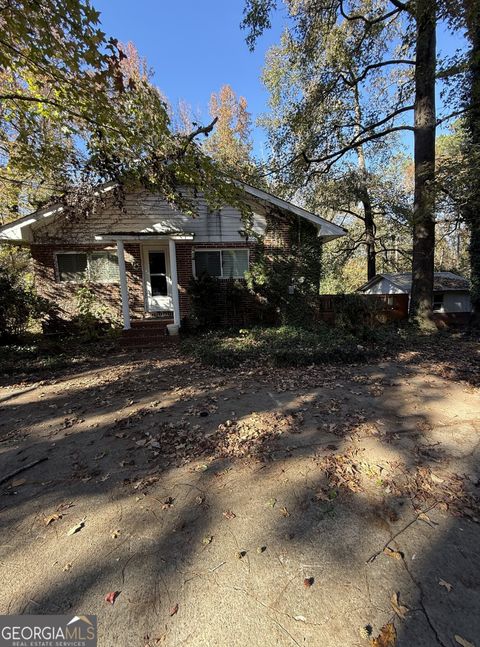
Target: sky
[196,46]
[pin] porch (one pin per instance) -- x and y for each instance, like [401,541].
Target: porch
[159,272]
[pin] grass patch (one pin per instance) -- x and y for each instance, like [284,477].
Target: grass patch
[290,345]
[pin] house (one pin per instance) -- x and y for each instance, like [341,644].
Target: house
[451,296]
[139,257]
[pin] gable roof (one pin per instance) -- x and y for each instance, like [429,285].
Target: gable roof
[442,281]
[19,230]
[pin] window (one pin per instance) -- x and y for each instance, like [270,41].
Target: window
[99,267]
[222,263]
[438,302]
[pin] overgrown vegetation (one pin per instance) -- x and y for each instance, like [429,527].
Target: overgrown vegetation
[19,304]
[292,345]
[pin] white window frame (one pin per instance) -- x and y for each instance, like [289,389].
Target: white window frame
[220,249]
[87,254]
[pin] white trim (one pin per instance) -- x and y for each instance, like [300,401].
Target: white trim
[165,302]
[174,278]
[145,237]
[220,249]
[123,285]
[327,229]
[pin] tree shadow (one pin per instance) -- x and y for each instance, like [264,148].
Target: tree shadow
[297,498]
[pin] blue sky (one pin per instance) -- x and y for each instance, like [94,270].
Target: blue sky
[196,46]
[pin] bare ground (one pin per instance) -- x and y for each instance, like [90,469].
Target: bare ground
[250,506]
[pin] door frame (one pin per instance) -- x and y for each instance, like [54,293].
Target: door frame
[160,303]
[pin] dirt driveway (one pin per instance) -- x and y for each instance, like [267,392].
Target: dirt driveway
[308,507]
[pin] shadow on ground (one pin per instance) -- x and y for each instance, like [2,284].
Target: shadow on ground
[252,499]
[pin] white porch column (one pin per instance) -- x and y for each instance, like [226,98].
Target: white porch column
[123,284]
[174,277]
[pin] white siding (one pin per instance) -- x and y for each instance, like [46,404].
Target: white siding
[146,212]
[456,302]
[383,286]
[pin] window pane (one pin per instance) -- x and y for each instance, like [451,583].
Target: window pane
[235,262]
[157,262]
[159,285]
[207,262]
[103,267]
[72,267]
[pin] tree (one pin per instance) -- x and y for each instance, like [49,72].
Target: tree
[230,143]
[416,51]
[311,111]
[75,111]
[471,210]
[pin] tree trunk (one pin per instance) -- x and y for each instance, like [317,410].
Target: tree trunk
[365,199]
[424,200]
[471,210]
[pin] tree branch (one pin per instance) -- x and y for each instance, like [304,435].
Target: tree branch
[368,21]
[356,79]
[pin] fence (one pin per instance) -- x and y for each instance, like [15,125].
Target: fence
[384,307]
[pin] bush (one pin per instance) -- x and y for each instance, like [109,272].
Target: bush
[355,313]
[204,293]
[94,318]
[19,305]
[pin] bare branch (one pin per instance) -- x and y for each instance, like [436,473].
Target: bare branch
[368,21]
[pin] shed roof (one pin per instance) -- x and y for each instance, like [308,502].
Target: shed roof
[442,282]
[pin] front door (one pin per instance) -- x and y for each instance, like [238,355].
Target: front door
[158,284]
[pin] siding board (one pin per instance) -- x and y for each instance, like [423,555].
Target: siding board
[146,212]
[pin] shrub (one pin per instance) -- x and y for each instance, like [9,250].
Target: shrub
[94,318]
[19,305]
[355,312]
[204,293]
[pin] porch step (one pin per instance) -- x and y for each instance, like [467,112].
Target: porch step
[146,332]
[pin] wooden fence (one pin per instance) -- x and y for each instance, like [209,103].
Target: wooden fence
[383,307]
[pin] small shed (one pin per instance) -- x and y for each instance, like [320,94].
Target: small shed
[451,292]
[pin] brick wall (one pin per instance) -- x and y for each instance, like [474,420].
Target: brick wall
[63,293]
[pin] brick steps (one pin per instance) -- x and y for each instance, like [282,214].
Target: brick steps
[146,332]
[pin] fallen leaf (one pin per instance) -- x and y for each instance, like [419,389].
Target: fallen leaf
[463,642]
[386,638]
[173,610]
[399,609]
[115,534]
[307,582]
[67,567]
[300,618]
[228,514]
[271,503]
[168,503]
[285,512]
[111,597]
[77,527]
[241,554]
[394,554]
[207,540]
[447,585]
[18,482]
[51,518]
